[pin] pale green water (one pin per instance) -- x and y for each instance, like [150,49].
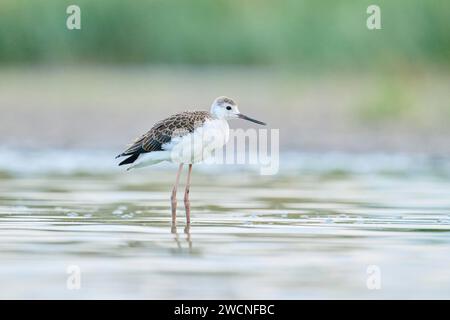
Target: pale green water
[309,232]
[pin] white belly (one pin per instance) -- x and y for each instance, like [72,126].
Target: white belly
[198,145]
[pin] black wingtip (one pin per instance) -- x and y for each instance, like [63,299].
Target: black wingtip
[118,156]
[130,159]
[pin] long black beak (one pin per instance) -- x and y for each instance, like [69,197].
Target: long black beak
[241,116]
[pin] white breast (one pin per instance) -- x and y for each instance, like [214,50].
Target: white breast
[198,145]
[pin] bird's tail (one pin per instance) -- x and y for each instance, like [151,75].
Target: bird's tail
[149,159]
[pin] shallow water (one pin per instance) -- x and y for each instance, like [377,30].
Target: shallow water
[312,231]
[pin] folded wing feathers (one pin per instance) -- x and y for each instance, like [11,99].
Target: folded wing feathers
[163,131]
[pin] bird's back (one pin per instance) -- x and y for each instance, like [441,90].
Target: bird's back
[163,131]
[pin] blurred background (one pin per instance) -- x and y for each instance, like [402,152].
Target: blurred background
[364,174]
[310,68]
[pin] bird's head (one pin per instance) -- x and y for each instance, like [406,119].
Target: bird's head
[225,108]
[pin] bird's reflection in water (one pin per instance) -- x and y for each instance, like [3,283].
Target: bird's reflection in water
[187,232]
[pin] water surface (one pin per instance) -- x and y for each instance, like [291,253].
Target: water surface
[312,231]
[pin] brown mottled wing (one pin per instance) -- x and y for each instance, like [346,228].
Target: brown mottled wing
[163,131]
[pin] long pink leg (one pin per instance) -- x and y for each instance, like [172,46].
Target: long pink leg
[187,203]
[173,198]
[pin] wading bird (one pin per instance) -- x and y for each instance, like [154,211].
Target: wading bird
[184,138]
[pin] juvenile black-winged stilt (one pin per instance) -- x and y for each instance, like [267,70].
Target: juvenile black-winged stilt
[184,138]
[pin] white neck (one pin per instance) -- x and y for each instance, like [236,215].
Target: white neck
[217,113]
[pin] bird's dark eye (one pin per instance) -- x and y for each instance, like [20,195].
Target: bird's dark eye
[228,108]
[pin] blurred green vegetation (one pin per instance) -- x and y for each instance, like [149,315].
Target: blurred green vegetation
[391,102]
[310,34]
